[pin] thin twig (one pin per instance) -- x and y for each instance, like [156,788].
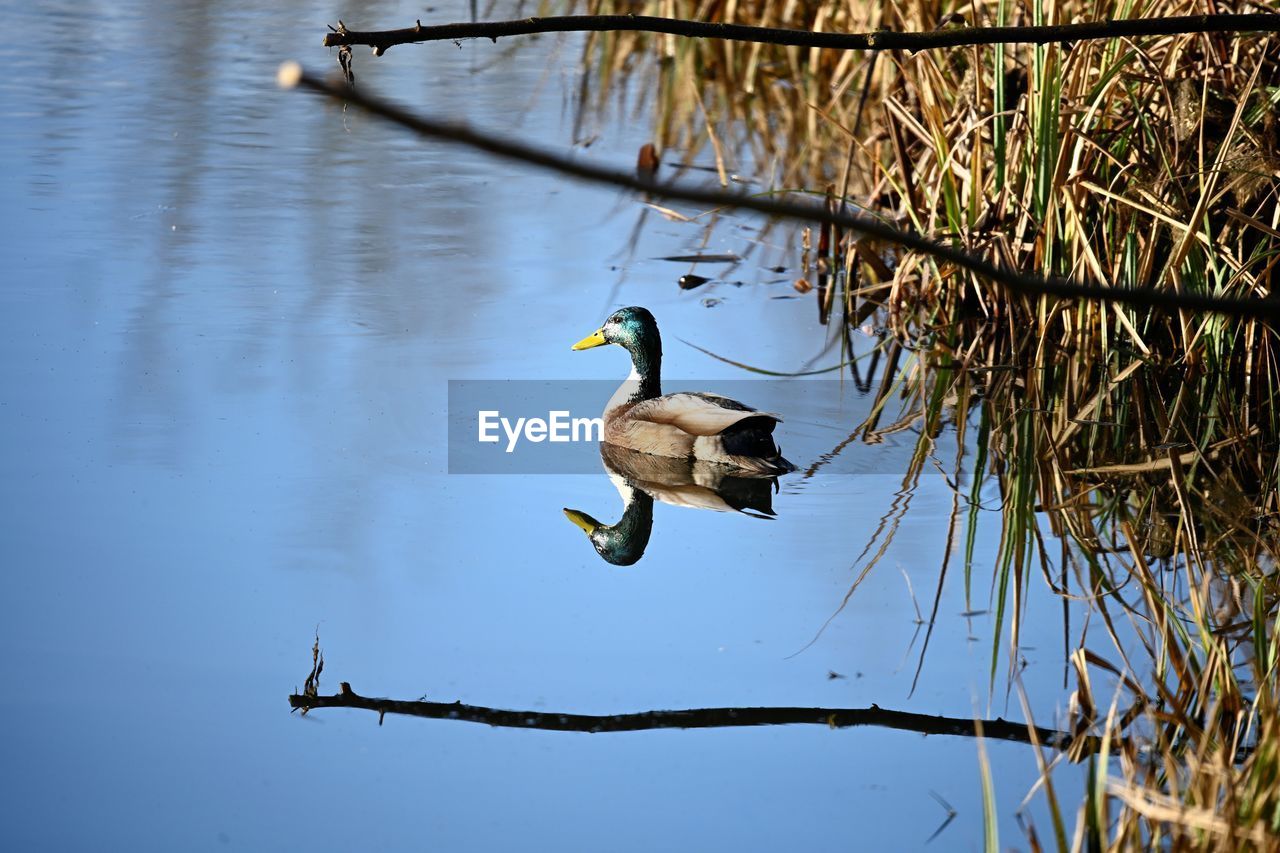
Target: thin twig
[292,75]
[884,40]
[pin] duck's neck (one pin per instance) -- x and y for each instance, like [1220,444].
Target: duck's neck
[623,543]
[645,381]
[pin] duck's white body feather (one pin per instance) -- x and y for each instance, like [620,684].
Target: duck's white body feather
[684,425]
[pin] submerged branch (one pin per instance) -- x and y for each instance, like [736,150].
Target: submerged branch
[292,75]
[702,718]
[884,40]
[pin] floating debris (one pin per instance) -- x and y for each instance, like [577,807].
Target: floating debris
[689,281]
[724,258]
[667,212]
[647,162]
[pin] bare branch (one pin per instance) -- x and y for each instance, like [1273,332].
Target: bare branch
[291,74]
[700,718]
[884,40]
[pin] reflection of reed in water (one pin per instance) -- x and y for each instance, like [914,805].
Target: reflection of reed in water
[1147,490]
[642,478]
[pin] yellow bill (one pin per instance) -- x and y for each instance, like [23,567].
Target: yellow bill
[595,339]
[581,519]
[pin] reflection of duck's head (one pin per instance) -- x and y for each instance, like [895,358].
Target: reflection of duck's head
[642,478]
[623,543]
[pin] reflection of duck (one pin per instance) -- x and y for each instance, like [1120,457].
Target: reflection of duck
[642,478]
[690,425]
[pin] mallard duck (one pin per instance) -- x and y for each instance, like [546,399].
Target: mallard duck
[642,478]
[688,425]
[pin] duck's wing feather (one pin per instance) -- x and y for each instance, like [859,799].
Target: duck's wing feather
[697,413]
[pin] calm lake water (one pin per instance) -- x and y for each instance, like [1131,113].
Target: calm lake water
[230,316]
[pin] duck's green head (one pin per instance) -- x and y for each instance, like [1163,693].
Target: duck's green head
[621,544]
[633,328]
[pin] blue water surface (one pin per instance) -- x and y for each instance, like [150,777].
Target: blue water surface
[228,320]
